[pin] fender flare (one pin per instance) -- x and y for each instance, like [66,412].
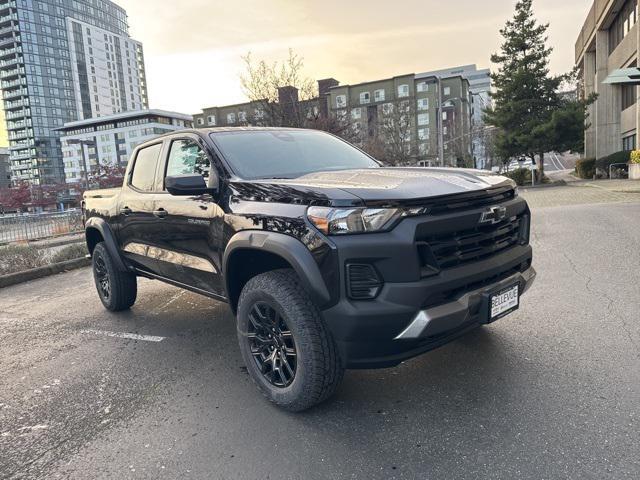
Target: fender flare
[110,242]
[290,249]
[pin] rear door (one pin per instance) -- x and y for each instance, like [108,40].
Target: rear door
[192,227]
[137,219]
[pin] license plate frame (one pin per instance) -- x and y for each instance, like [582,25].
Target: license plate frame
[503,302]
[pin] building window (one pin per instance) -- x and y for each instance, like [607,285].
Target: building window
[423,148]
[423,119]
[211,119]
[378,95]
[444,115]
[365,97]
[341,101]
[423,104]
[200,121]
[356,113]
[231,118]
[629,96]
[629,143]
[423,133]
[242,117]
[403,90]
[422,87]
[622,24]
[447,90]
[387,108]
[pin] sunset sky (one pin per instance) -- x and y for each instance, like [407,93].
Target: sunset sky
[193,47]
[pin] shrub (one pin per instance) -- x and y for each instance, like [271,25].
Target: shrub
[70,252]
[586,168]
[17,258]
[603,164]
[522,176]
[635,156]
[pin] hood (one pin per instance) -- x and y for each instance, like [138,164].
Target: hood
[388,185]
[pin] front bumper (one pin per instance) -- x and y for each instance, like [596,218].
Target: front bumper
[397,325]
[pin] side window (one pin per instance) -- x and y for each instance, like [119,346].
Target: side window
[186,157]
[144,168]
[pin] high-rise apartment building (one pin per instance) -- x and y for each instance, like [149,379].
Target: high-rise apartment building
[63,61]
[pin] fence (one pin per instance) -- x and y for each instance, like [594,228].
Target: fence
[17,228]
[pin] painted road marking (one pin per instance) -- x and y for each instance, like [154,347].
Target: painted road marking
[131,336]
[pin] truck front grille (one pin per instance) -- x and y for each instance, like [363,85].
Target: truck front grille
[456,248]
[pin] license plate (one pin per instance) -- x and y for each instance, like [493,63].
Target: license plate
[504,302]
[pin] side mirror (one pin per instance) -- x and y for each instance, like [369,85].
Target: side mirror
[190,184]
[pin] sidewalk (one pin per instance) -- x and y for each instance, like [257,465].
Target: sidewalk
[582,192]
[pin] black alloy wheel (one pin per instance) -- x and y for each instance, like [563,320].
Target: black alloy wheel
[272,345]
[102,278]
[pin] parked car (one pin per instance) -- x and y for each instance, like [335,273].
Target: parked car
[328,260]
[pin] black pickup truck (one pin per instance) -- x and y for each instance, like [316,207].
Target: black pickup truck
[329,260]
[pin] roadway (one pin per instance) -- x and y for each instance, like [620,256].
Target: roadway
[552,391]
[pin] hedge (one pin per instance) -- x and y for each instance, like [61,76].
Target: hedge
[586,168]
[618,157]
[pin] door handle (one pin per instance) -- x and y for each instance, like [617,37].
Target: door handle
[126,211]
[160,213]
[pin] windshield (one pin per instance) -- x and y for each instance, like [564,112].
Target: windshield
[255,154]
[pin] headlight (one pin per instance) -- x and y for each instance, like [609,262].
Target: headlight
[340,221]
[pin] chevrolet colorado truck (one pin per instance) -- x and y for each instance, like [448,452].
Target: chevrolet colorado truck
[329,260]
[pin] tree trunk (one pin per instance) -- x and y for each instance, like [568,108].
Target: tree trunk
[541,168]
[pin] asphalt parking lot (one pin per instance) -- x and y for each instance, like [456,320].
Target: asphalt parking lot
[550,392]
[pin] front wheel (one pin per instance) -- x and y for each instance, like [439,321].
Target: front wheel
[117,290]
[288,351]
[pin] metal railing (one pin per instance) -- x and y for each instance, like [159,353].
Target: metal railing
[20,228]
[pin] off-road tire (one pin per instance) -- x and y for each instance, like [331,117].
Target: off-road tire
[318,367]
[123,286]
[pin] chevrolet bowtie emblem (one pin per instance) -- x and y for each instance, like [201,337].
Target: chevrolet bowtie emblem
[493,215]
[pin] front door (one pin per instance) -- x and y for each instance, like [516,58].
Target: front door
[191,237]
[137,220]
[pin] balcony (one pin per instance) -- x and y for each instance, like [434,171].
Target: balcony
[11,62]
[10,51]
[8,18]
[18,125]
[13,83]
[4,42]
[17,155]
[12,73]
[25,112]
[9,30]
[21,92]
[6,5]
[20,135]
[16,104]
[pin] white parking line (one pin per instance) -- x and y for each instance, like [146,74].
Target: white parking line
[131,336]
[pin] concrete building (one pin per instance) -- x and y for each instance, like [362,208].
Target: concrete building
[609,41]
[373,106]
[404,107]
[109,140]
[5,171]
[63,61]
[480,89]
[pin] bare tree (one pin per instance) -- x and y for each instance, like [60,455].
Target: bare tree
[281,91]
[390,137]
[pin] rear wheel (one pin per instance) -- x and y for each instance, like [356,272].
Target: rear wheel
[288,351]
[117,290]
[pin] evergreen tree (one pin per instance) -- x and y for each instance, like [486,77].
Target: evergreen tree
[526,95]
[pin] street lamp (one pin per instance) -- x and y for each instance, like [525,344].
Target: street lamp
[85,168]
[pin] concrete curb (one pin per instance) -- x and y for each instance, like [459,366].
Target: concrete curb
[35,273]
